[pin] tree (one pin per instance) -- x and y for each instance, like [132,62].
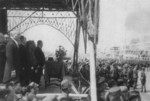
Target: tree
[60,53]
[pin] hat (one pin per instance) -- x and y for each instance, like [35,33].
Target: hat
[101,80]
[2,86]
[6,35]
[33,84]
[3,91]
[65,84]
[125,65]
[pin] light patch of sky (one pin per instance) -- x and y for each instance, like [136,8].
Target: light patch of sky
[114,15]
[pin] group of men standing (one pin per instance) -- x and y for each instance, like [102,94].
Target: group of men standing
[21,59]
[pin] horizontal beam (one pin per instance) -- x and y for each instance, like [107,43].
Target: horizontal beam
[38,9]
[56,94]
[42,17]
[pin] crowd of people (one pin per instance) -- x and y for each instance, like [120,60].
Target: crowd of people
[23,62]
[21,58]
[13,91]
[114,79]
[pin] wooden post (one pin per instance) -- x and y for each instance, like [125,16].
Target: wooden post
[92,72]
[92,47]
[96,24]
[76,45]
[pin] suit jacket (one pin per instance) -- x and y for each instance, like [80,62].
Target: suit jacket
[23,55]
[48,65]
[54,70]
[31,60]
[39,55]
[130,74]
[12,59]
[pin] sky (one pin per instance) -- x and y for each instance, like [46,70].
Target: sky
[121,22]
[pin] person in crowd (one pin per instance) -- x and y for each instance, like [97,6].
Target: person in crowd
[114,93]
[66,90]
[124,90]
[12,95]
[23,59]
[2,56]
[101,87]
[24,94]
[3,92]
[86,72]
[39,55]
[57,69]
[143,80]
[60,69]
[32,91]
[48,64]
[135,77]
[125,70]
[12,58]
[114,72]
[54,74]
[107,72]
[17,87]
[31,62]
[130,77]
[7,38]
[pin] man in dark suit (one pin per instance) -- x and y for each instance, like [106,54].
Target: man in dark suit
[2,56]
[31,62]
[48,65]
[39,55]
[23,59]
[12,59]
[55,69]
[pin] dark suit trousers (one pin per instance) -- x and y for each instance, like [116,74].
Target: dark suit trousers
[2,67]
[38,75]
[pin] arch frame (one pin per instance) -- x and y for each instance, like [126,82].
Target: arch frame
[52,27]
[64,22]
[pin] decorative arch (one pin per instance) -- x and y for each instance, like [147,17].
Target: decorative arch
[52,27]
[64,22]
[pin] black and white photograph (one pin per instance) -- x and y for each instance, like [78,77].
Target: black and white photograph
[74,50]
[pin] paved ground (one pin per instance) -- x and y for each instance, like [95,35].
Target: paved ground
[145,96]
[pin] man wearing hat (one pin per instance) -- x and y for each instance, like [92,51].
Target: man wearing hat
[114,93]
[66,89]
[101,86]
[66,86]
[3,92]
[33,90]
